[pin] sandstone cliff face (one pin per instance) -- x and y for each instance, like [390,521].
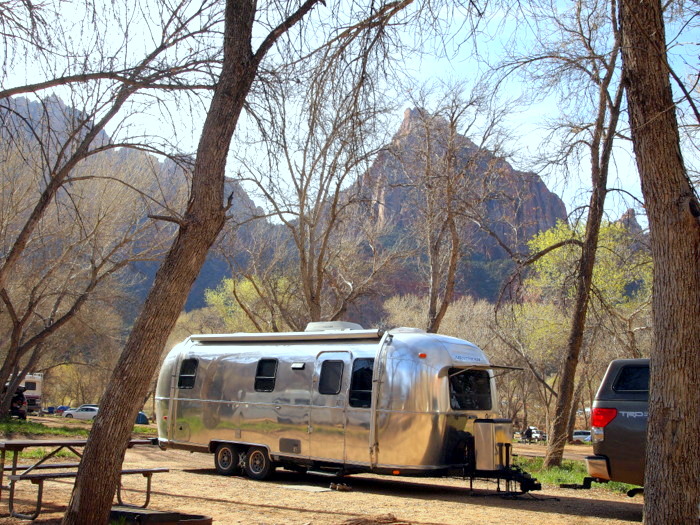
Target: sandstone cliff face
[514,205]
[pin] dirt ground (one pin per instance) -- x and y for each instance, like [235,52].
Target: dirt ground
[192,486]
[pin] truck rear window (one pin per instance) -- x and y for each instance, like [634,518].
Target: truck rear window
[470,389]
[632,379]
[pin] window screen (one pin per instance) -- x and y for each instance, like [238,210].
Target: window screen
[331,377]
[470,389]
[188,373]
[632,379]
[31,385]
[361,383]
[265,375]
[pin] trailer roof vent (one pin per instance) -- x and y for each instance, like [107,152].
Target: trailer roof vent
[331,326]
[407,330]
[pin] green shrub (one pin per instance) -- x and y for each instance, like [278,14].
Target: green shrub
[570,471]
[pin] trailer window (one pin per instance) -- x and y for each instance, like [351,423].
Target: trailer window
[331,378]
[361,383]
[470,389]
[31,385]
[188,373]
[265,375]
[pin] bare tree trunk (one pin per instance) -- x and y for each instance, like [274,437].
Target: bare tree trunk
[672,484]
[98,475]
[571,424]
[437,314]
[558,432]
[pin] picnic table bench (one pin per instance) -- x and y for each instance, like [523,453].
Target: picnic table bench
[38,478]
[9,468]
[56,471]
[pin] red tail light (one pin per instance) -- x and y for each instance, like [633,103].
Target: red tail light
[600,417]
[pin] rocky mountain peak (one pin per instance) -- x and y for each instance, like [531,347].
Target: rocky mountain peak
[520,204]
[411,117]
[629,221]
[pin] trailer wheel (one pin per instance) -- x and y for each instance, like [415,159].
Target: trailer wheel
[257,464]
[226,460]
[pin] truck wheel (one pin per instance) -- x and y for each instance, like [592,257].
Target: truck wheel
[226,460]
[257,464]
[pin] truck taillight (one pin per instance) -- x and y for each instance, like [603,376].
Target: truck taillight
[600,418]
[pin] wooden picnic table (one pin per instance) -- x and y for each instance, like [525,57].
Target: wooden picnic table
[58,470]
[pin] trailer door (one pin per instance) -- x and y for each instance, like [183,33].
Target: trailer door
[328,401]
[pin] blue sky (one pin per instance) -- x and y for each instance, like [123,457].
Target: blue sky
[453,60]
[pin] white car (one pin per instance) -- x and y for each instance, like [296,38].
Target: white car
[581,435]
[532,434]
[88,412]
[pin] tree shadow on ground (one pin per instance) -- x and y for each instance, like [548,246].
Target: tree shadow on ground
[575,505]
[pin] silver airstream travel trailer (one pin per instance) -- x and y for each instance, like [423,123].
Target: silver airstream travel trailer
[336,398]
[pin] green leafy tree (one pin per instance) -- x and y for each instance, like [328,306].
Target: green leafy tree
[620,288]
[245,305]
[622,274]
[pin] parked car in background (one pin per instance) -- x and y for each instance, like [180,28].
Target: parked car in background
[531,434]
[88,412]
[581,435]
[535,434]
[59,410]
[619,423]
[34,386]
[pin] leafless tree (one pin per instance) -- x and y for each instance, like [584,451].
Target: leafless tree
[263,294]
[23,29]
[579,58]
[453,171]
[199,226]
[53,148]
[319,130]
[673,208]
[76,366]
[79,246]
[99,88]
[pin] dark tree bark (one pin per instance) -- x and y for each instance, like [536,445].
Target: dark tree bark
[672,483]
[98,475]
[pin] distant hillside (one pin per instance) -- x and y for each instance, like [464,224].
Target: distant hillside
[50,121]
[523,206]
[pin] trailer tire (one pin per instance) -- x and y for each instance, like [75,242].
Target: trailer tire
[226,460]
[257,464]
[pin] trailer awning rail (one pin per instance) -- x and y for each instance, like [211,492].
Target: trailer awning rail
[329,335]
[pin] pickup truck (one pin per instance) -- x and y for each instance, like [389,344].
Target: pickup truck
[619,423]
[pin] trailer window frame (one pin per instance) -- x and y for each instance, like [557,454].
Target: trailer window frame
[188,373]
[264,382]
[361,397]
[331,385]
